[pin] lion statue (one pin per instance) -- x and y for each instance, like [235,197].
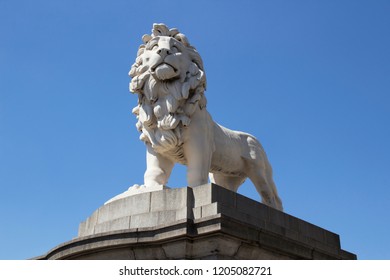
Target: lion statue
[170,81]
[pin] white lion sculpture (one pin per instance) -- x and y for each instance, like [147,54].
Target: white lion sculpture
[170,81]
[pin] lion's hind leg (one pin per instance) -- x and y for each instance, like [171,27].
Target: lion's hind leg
[227,181]
[262,179]
[259,172]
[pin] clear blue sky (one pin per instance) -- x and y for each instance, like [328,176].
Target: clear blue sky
[310,79]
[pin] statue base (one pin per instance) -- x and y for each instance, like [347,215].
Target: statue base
[205,222]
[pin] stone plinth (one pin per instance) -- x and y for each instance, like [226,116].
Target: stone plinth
[205,222]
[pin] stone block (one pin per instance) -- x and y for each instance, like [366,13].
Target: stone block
[228,246]
[206,248]
[209,210]
[88,226]
[223,196]
[127,206]
[344,255]
[205,222]
[154,253]
[318,255]
[284,247]
[165,217]
[252,207]
[277,217]
[275,229]
[170,231]
[118,254]
[208,224]
[311,231]
[332,238]
[144,220]
[113,225]
[171,199]
[197,212]
[248,252]
[291,234]
[202,195]
[242,217]
[325,249]
[175,250]
[291,222]
[184,213]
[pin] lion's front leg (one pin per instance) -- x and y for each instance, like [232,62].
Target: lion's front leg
[198,158]
[198,148]
[158,169]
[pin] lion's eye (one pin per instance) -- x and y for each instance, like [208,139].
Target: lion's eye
[152,46]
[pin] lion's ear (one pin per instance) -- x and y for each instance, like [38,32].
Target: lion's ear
[160,30]
[183,39]
[173,32]
[146,38]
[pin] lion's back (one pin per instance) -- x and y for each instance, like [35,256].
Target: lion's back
[233,150]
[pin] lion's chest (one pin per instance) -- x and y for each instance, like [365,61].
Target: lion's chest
[176,155]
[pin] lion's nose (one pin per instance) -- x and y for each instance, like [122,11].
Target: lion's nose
[163,52]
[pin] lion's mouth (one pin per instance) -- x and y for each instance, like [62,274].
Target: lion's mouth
[164,71]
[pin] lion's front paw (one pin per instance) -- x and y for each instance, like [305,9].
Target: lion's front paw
[143,187]
[136,187]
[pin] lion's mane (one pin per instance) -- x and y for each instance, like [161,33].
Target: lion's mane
[165,107]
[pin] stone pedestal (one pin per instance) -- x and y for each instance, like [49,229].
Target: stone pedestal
[205,222]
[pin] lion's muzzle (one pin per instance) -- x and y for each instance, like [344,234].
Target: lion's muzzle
[165,72]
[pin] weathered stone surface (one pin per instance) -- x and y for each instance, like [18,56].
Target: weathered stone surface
[112,225]
[205,222]
[137,204]
[169,200]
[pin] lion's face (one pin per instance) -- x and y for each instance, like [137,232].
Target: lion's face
[166,58]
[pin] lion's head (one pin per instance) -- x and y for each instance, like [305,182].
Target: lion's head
[169,78]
